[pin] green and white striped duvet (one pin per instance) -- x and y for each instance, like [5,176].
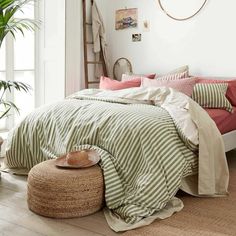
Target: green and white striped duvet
[142,155]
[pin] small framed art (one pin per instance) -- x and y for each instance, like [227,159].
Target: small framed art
[126,18]
[136,37]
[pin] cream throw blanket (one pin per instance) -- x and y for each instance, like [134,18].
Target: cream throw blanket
[213,173]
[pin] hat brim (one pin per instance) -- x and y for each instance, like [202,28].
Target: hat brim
[92,159]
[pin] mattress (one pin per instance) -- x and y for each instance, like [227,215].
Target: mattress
[224,120]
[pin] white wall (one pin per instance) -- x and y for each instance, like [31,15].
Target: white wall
[207,43]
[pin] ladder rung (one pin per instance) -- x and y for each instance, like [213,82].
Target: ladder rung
[94,62]
[93,82]
[88,23]
[89,42]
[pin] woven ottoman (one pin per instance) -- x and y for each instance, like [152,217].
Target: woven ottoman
[65,193]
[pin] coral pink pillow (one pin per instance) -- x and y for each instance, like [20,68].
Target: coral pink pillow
[150,76]
[127,77]
[183,85]
[110,84]
[231,92]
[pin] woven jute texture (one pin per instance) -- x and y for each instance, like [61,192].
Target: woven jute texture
[65,193]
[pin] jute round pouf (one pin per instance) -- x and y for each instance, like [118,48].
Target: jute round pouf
[65,193]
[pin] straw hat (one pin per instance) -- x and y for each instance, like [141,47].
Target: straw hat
[78,159]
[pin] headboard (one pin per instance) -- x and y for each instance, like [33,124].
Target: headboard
[216,77]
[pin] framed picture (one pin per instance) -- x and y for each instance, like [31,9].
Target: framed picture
[136,37]
[126,18]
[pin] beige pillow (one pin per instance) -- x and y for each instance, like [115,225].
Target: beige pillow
[180,73]
[180,70]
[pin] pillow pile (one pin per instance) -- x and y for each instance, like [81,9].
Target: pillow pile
[128,81]
[209,93]
[133,80]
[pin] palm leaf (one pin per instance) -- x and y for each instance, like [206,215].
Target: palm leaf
[8,86]
[12,25]
[6,3]
[8,106]
[5,112]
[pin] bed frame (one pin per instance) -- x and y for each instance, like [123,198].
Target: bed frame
[230,140]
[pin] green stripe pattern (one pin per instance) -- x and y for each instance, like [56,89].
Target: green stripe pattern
[212,96]
[143,157]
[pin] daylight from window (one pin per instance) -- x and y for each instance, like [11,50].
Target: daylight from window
[17,62]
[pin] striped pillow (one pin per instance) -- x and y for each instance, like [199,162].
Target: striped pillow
[180,70]
[127,77]
[231,91]
[182,85]
[212,96]
[180,73]
[176,76]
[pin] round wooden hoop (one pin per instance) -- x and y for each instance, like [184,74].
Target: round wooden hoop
[117,61]
[181,19]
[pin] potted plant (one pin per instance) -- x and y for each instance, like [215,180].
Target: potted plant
[9,24]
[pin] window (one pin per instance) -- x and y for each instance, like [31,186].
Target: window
[17,62]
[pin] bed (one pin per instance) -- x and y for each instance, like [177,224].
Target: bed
[230,140]
[226,124]
[225,121]
[150,142]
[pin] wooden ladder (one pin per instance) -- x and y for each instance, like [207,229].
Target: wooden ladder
[86,43]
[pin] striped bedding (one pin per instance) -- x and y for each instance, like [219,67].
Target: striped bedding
[143,156]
